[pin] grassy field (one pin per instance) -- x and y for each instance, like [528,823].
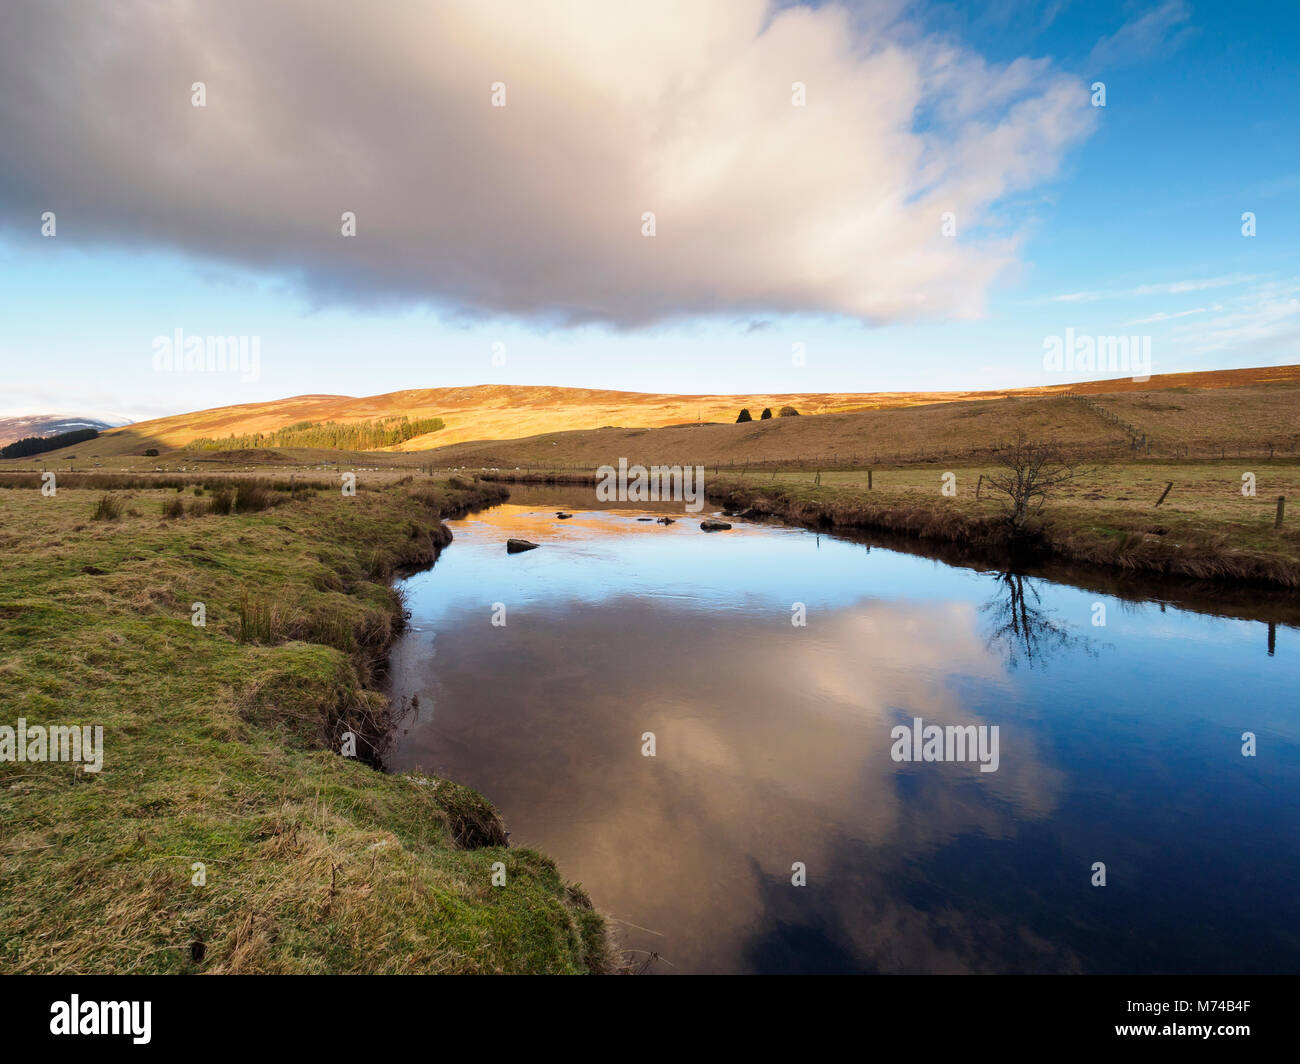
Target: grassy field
[1124,493]
[221,743]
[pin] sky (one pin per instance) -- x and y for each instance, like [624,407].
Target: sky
[882,196]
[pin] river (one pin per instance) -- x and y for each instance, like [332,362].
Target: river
[740,792]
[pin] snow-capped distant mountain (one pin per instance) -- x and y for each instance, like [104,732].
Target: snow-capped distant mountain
[18,428]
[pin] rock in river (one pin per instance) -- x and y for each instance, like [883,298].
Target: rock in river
[714,526]
[514,546]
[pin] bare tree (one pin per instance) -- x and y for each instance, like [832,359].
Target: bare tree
[1031,471]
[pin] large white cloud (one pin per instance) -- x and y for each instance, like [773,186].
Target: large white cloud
[678,107]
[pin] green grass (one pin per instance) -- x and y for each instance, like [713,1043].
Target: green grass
[219,748]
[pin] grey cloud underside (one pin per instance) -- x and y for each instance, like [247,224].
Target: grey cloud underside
[534,209]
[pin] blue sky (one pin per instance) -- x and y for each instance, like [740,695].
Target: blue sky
[1136,230]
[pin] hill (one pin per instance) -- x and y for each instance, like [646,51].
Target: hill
[517,412]
[1212,422]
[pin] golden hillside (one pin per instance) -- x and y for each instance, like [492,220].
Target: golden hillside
[511,412]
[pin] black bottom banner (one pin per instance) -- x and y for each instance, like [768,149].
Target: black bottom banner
[84,1013]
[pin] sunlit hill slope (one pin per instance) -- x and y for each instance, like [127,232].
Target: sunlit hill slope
[510,412]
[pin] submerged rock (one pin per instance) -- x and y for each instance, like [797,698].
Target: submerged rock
[514,546]
[562,515]
[667,520]
[645,518]
[714,526]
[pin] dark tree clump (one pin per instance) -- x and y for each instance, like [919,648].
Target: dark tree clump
[40,444]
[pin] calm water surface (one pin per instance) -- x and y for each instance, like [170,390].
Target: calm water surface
[1119,743]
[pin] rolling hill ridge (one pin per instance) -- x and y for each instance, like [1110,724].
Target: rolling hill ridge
[516,412]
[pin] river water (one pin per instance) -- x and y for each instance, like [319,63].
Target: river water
[776,826]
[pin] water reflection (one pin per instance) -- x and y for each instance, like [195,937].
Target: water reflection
[773,747]
[1021,628]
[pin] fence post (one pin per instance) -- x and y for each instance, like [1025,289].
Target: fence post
[1281,508]
[1164,493]
[979,484]
[868,480]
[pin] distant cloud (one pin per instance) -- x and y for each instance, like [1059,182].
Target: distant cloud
[1161,29]
[1276,186]
[1164,316]
[535,209]
[1264,322]
[61,403]
[1162,288]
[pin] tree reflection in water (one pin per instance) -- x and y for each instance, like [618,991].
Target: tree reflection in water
[1021,628]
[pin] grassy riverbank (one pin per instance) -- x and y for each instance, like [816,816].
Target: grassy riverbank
[220,749]
[1204,529]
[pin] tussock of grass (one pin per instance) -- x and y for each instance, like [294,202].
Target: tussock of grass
[253,497]
[221,750]
[222,501]
[259,622]
[108,508]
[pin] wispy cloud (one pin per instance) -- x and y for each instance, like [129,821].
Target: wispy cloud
[1263,321]
[1163,316]
[1160,30]
[1163,288]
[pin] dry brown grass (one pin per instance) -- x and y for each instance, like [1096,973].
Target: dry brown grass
[1211,423]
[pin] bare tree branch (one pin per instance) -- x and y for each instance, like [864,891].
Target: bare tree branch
[1031,471]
